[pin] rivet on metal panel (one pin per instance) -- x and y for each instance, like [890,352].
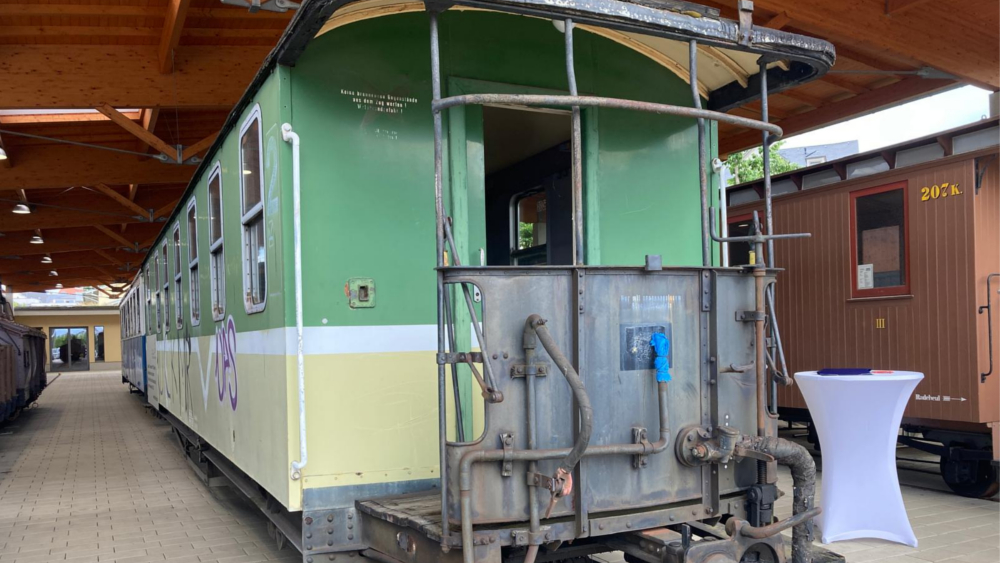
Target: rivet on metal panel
[706,291]
[507,442]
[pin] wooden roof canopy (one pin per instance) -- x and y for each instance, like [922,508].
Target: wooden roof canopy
[145,76]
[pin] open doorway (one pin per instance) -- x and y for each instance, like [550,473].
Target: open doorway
[529,200]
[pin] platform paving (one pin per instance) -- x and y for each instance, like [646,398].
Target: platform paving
[89,476]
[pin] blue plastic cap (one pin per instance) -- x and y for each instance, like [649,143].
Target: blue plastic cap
[661,347]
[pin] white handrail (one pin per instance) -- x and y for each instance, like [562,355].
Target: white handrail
[290,136]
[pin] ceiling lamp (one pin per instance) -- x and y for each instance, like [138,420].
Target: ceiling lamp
[46,259]
[3,154]
[37,239]
[22,209]
[58,286]
[53,273]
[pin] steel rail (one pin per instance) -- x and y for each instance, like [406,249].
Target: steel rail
[542,100]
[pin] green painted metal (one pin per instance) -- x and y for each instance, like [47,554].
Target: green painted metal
[361,109]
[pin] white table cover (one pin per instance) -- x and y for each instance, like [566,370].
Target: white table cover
[857,419]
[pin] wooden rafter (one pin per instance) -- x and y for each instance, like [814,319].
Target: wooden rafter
[199,147]
[165,210]
[57,166]
[797,94]
[904,90]
[108,257]
[896,7]
[177,11]
[134,128]
[779,21]
[214,76]
[114,236]
[147,118]
[845,84]
[124,201]
[863,23]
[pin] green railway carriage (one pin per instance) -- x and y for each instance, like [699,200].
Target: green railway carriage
[293,335]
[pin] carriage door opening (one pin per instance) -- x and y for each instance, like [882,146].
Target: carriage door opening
[529,200]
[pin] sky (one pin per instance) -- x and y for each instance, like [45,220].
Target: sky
[909,121]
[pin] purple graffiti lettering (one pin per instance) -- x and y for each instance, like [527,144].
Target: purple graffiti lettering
[225,362]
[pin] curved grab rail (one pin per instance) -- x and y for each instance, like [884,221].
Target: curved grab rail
[535,100]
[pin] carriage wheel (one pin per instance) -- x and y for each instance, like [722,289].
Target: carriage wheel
[970,478]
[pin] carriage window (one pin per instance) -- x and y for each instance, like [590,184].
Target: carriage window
[194,283]
[149,304]
[251,182]
[217,265]
[879,241]
[177,276]
[531,212]
[165,284]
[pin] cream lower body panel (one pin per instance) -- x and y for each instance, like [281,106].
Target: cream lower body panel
[371,410]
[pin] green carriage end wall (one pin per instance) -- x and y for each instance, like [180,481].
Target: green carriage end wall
[367,175]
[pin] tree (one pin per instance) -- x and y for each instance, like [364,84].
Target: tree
[748,165]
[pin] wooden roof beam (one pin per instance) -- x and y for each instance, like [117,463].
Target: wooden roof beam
[861,22]
[122,76]
[49,218]
[780,20]
[177,11]
[124,201]
[108,257]
[200,146]
[165,210]
[896,7]
[140,133]
[114,236]
[902,91]
[58,166]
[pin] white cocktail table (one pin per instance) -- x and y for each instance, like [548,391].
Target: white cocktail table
[857,420]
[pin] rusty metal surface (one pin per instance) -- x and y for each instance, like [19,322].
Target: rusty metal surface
[542,100]
[954,244]
[616,300]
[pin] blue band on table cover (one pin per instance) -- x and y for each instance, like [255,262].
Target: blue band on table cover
[845,371]
[661,347]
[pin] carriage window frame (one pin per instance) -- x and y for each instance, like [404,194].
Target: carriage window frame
[249,217]
[149,300]
[194,280]
[178,278]
[890,291]
[217,287]
[165,284]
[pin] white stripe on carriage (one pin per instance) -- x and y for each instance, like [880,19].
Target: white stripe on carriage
[324,340]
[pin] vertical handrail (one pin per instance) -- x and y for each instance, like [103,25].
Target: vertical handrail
[439,259]
[706,246]
[290,136]
[769,222]
[576,149]
[989,325]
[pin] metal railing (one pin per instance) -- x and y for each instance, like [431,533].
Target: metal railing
[447,354]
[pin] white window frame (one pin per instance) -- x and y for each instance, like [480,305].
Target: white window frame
[150,311]
[194,280]
[252,214]
[165,255]
[178,276]
[217,247]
